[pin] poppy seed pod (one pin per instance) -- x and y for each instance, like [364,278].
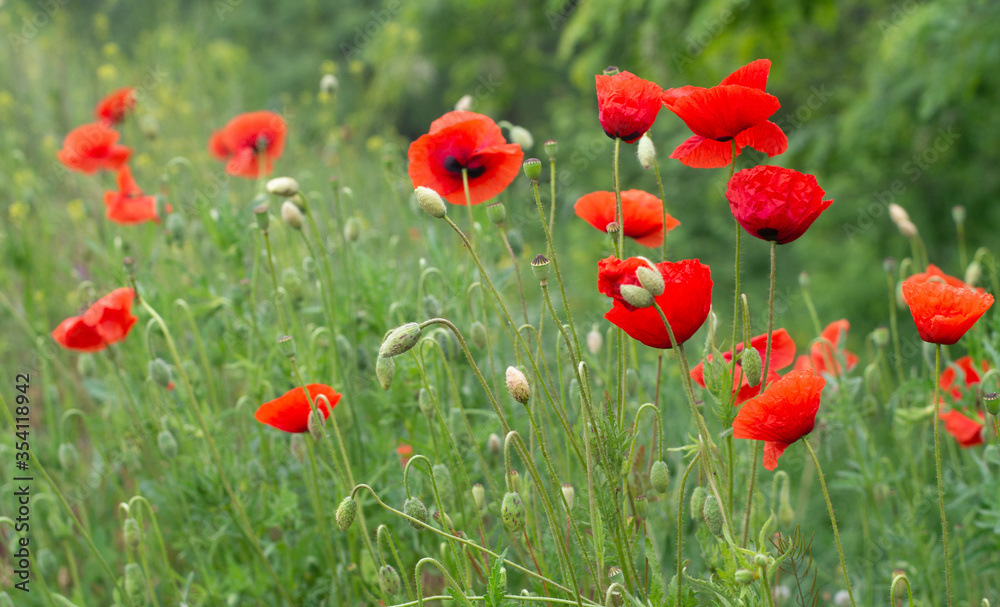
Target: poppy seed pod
[135,582]
[711,513]
[515,481]
[659,476]
[641,507]
[697,501]
[478,495]
[497,213]
[431,202]
[569,494]
[512,512]
[400,340]
[291,215]
[751,363]
[159,371]
[651,280]
[414,508]
[286,345]
[522,137]
[533,169]
[646,151]
[385,369]
[346,512]
[388,580]
[167,444]
[991,400]
[132,533]
[517,385]
[637,296]
[551,148]
[540,268]
[283,186]
[262,217]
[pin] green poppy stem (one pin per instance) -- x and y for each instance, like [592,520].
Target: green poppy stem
[937,467]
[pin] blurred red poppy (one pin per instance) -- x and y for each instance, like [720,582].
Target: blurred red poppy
[627,105]
[943,312]
[107,321]
[970,374]
[642,213]
[967,431]
[685,301]
[128,205]
[783,414]
[405,452]
[782,355]
[290,411]
[466,141]
[825,354]
[247,140]
[738,108]
[91,147]
[112,109]
[774,203]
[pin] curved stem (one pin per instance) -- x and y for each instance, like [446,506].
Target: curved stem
[833,520]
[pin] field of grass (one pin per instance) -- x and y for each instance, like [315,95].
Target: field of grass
[497,440]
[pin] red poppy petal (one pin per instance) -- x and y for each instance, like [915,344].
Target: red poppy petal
[753,75]
[698,374]
[670,96]
[698,152]
[723,112]
[967,431]
[217,145]
[766,137]
[502,165]
[290,411]
[596,208]
[944,313]
[782,348]
[772,451]
[74,334]
[785,412]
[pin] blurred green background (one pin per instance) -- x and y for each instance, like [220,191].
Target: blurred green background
[875,95]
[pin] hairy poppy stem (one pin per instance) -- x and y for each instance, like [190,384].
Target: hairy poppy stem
[937,466]
[680,526]
[770,321]
[833,520]
[619,216]
[753,481]
[663,206]
[274,283]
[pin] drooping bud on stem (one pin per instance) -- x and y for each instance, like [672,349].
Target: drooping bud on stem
[431,202]
[167,444]
[388,580]
[415,508]
[478,495]
[346,512]
[751,363]
[711,513]
[285,187]
[697,501]
[512,512]
[517,385]
[315,425]
[291,215]
[385,369]
[135,583]
[159,371]
[132,533]
[659,476]
[651,280]
[400,340]
[637,296]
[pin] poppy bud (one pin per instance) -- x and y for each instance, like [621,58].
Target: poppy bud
[432,307]
[431,202]
[159,371]
[352,229]
[477,334]
[522,137]
[651,280]
[751,363]
[646,151]
[176,228]
[659,476]
[68,456]
[512,512]
[880,337]
[515,481]
[315,424]
[958,214]
[329,84]
[291,215]
[973,273]
[464,104]
[898,214]
[744,577]
[285,187]
[493,444]
[132,532]
[388,580]
[167,444]
[900,589]
[516,242]
[551,148]
[478,495]
[908,229]
[415,508]
[842,598]
[711,513]
[637,296]
[991,400]
[496,212]
[424,401]
[540,267]
[613,228]
[569,494]
[517,385]
[532,169]
[135,583]
[697,501]
[804,279]
[346,512]
[442,478]
[611,70]
[641,507]
[889,265]
[286,345]
[594,340]
[262,217]
[446,523]
[385,368]
[400,340]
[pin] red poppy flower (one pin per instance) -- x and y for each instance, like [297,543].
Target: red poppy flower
[128,205]
[464,140]
[107,321]
[774,203]
[782,355]
[738,108]
[290,411]
[783,414]
[642,214]
[969,372]
[967,431]
[685,301]
[112,109]
[943,312]
[91,147]
[405,452]
[246,140]
[824,355]
[627,105]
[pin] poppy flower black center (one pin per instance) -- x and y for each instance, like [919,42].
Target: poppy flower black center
[454,166]
[768,233]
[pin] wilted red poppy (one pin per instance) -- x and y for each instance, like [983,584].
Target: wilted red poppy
[290,411]
[774,203]
[128,205]
[405,452]
[112,109]
[738,108]
[782,355]
[642,214]
[464,140]
[685,301]
[967,431]
[107,321]
[91,147]
[246,140]
[943,312]
[783,414]
[824,355]
[627,105]
[969,371]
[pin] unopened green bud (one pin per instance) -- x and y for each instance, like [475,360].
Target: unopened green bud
[637,296]
[442,478]
[786,515]
[477,335]
[762,560]
[522,137]
[659,476]
[415,508]
[646,151]
[346,512]
[352,229]
[515,481]
[750,361]
[385,368]
[443,521]
[569,494]
[697,501]
[68,456]
[496,212]
[315,424]
[478,495]
[285,187]
[804,279]
[641,507]
[432,307]
[135,583]
[400,340]
[958,214]
[388,580]
[160,372]
[291,215]
[132,532]
[533,169]
[167,444]
[540,267]
[517,385]
[286,345]
[551,148]
[512,512]
[431,202]
[744,577]
[991,400]
[880,337]
[291,282]
[711,513]
[651,280]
